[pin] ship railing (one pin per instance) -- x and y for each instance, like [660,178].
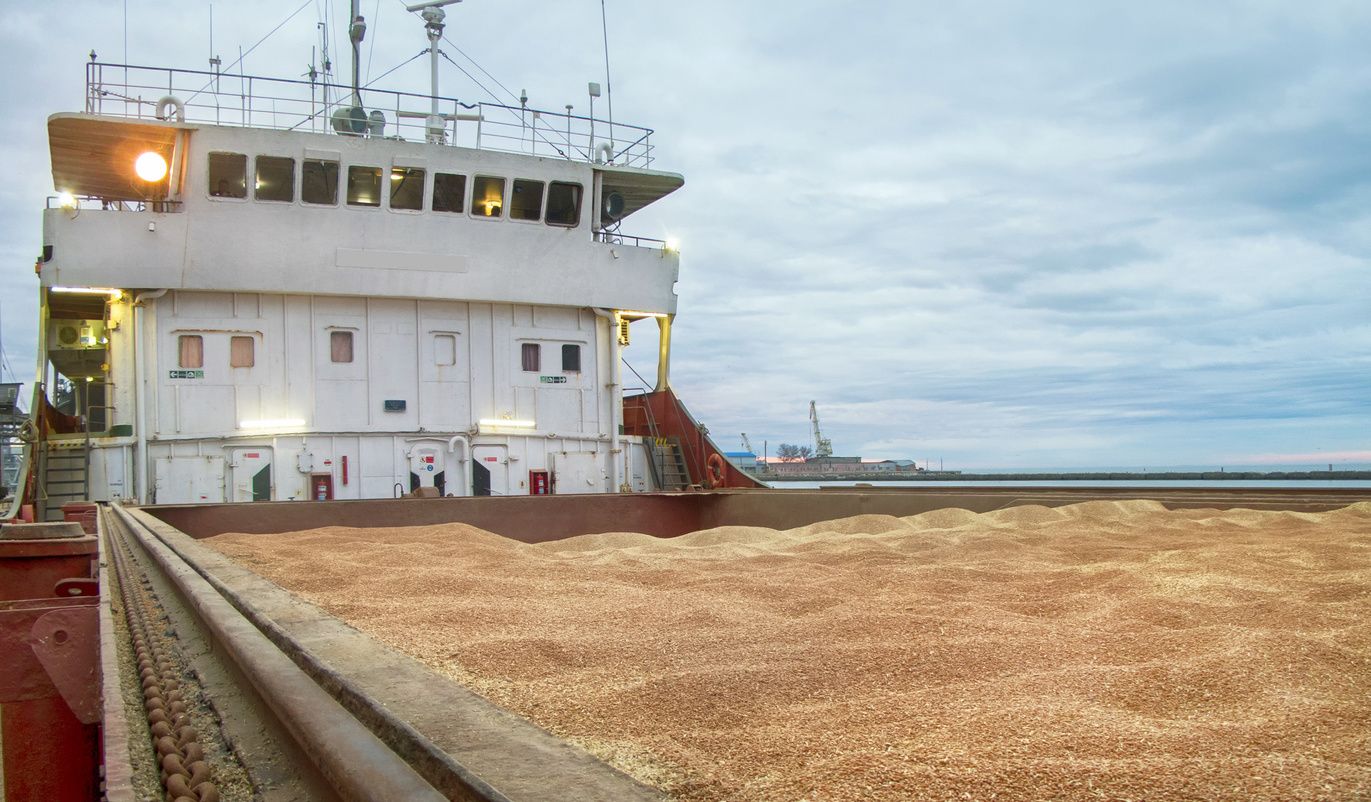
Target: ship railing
[91,202]
[517,129]
[220,98]
[615,238]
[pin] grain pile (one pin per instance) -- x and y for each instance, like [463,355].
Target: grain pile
[1107,650]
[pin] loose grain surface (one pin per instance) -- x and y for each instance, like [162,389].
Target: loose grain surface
[1107,650]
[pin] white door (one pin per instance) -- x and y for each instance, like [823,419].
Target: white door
[489,471]
[250,474]
[579,472]
[426,468]
[189,480]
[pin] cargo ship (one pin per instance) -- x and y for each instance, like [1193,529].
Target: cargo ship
[281,305]
[265,289]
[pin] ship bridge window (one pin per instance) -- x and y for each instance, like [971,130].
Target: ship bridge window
[190,351]
[319,182]
[526,202]
[564,204]
[228,175]
[531,357]
[275,179]
[449,192]
[364,186]
[571,359]
[406,188]
[487,196]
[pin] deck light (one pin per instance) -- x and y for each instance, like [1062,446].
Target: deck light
[151,167]
[501,423]
[672,244]
[66,200]
[111,292]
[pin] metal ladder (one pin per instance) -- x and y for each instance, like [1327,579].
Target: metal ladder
[668,464]
[665,457]
[63,476]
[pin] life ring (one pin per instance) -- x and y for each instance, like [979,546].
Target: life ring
[714,471]
[170,105]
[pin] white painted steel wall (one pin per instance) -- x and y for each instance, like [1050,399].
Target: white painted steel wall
[196,423]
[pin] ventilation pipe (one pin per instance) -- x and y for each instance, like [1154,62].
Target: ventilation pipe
[140,454]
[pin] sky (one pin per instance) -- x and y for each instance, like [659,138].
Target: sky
[987,235]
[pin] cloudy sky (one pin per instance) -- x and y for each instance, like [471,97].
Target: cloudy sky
[994,233]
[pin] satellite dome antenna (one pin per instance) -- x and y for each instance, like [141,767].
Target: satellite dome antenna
[433,16]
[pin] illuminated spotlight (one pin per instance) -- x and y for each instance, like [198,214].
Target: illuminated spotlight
[672,244]
[501,423]
[151,167]
[66,200]
[276,423]
[112,293]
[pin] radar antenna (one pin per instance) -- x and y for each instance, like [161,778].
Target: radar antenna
[433,16]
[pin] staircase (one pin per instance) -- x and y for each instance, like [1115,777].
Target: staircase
[668,464]
[63,476]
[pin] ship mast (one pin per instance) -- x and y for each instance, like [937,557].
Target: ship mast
[433,15]
[356,31]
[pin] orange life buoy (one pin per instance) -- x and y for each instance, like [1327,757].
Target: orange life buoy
[714,471]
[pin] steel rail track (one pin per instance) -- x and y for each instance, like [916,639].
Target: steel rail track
[306,744]
[383,725]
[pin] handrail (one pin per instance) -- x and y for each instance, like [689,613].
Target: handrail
[139,92]
[96,203]
[614,238]
[21,481]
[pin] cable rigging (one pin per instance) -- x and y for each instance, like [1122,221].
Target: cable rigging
[243,55]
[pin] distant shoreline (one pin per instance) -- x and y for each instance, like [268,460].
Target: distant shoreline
[950,476]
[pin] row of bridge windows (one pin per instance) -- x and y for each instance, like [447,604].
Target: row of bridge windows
[557,203]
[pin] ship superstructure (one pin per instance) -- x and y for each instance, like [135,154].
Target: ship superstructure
[250,292]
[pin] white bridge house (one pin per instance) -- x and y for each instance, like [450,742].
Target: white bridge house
[294,313]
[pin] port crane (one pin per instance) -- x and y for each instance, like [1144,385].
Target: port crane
[823,447]
[747,444]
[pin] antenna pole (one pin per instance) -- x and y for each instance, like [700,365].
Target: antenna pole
[356,32]
[433,26]
[432,13]
[609,87]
